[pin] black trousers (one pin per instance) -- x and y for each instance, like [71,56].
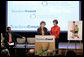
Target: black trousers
[56,45]
[12,51]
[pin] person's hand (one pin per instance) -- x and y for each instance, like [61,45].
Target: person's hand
[42,32]
[23,37]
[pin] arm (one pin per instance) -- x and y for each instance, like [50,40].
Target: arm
[17,35]
[38,31]
[46,33]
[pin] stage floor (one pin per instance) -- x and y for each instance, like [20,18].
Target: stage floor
[65,45]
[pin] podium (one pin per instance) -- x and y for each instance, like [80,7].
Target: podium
[44,43]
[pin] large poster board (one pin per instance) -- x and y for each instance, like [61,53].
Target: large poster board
[75,30]
[44,43]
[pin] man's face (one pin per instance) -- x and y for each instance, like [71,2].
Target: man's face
[9,30]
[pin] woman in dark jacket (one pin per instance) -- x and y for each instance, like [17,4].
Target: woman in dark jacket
[42,30]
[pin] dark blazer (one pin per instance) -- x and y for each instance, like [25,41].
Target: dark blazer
[39,32]
[13,36]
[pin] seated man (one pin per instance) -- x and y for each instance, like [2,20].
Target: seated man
[10,37]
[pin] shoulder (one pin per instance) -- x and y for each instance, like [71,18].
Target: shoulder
[45,28]
[52,27]
[58,27]
[6,33]
[38,28]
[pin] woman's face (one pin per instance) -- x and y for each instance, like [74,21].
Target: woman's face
[42,25]
[54,23]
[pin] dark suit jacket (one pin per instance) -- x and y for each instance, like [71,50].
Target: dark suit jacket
[13,36]
[39,32]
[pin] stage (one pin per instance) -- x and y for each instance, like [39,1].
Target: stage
[21,21]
